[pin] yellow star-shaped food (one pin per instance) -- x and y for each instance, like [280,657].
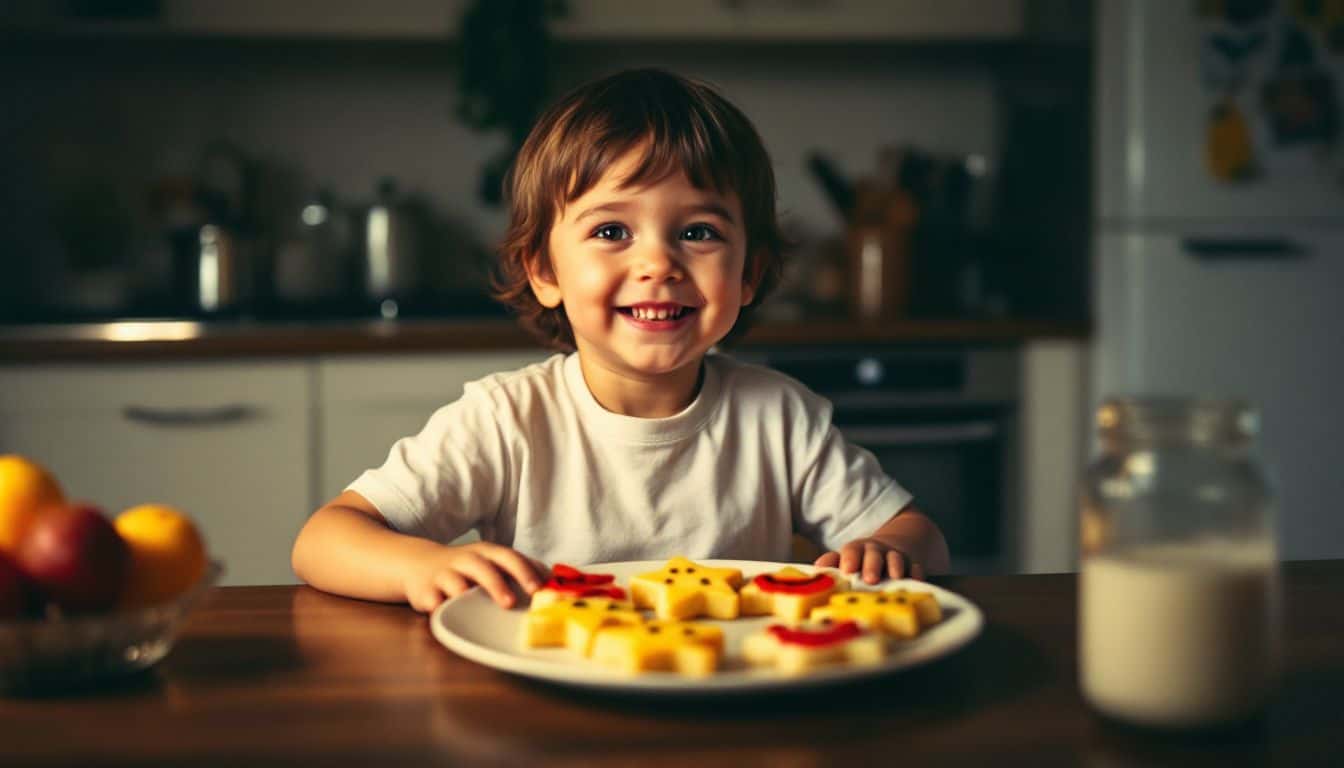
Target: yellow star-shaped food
[572,622]
[684,590]
[798,650]
[683,647]
[789,593]
[898,612]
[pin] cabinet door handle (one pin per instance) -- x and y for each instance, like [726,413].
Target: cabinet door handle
[184,417]
[1243,248]
[926,434]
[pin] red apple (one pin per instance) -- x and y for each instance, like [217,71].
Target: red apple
[13,594]
[75,558]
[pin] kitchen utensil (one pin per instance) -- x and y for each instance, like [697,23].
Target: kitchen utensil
[878,244]
[391,242]
[312,261]
[839,191]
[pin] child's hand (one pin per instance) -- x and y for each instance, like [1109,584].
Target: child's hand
[450,571]
[876,559]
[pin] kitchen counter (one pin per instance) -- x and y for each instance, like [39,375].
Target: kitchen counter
[292,676]
[176,339]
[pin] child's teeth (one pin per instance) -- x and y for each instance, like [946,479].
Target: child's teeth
[650,313]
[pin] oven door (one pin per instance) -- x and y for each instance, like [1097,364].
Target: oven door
[951,460]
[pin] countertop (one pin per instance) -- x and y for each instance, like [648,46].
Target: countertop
[292,676]
[193,339]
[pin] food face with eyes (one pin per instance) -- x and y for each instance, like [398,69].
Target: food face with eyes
[686,648]
[684,589]
[900,613]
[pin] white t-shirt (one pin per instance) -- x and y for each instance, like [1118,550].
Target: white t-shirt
[531,460]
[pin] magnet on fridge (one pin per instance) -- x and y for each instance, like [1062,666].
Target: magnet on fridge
[1301,109]
[1229,151]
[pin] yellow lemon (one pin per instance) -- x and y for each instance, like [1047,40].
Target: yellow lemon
[167,553]
[26,488]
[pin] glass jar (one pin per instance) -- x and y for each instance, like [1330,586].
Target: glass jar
[1178,593]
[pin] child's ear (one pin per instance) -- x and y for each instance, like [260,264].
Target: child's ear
[542,279]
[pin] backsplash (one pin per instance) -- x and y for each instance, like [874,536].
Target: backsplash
[104,120]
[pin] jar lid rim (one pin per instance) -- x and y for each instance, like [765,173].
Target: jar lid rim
[1198,418]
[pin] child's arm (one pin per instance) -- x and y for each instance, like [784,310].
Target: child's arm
[347,548]
[908,544]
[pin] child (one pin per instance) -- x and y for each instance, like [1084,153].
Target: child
[642,233]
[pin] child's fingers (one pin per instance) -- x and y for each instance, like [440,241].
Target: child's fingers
[423,598]
[896,564]
[543,571]
[828,560]
[488,577]
[851,557]
[872,562]
[517,565]
[451,583]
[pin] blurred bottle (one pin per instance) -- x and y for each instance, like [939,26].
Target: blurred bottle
[878,246]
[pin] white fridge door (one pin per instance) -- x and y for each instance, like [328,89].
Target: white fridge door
[1226,316]
[1152,115]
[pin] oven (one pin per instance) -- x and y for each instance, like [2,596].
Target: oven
[942,422]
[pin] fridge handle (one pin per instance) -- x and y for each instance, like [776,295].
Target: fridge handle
[1243,248]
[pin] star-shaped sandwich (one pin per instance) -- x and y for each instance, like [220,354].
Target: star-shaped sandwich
[573,622]
[684,590]
[900,613]
[789,593]
[567,581]
[686,648]
[797,650]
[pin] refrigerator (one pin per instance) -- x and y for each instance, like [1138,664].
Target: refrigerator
[1219,229]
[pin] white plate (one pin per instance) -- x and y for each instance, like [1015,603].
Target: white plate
[473,626]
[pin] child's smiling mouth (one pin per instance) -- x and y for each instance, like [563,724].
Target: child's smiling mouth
[657,316]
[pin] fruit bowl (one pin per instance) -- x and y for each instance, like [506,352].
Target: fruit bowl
[65,652]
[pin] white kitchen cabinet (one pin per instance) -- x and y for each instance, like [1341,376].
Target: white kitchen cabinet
[586,20]
[229,443]
[369,402]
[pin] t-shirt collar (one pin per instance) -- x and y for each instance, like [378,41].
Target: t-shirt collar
[633,429]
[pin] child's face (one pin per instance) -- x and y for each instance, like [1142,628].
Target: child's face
[650,277]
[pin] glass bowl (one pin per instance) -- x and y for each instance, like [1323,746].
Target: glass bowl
[76,651]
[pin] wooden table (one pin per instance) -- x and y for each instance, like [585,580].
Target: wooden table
[288,675]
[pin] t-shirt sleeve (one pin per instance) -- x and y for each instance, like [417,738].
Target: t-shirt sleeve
[842,494]
[447,479]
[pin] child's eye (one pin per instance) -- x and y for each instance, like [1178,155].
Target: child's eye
[700,233]
[611,232]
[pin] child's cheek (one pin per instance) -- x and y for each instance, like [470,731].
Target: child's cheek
[595,288]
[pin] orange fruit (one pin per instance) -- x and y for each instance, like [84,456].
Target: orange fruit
[26,488]
[167,553]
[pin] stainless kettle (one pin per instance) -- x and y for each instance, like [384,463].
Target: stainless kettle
[391,246]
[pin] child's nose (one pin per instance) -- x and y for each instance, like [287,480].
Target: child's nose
[658,262]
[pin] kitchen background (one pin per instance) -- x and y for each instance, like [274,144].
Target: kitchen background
[246,245]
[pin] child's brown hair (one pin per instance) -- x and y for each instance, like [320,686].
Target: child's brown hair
[684,125]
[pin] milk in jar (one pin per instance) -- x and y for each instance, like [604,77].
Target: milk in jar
[1178,595]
